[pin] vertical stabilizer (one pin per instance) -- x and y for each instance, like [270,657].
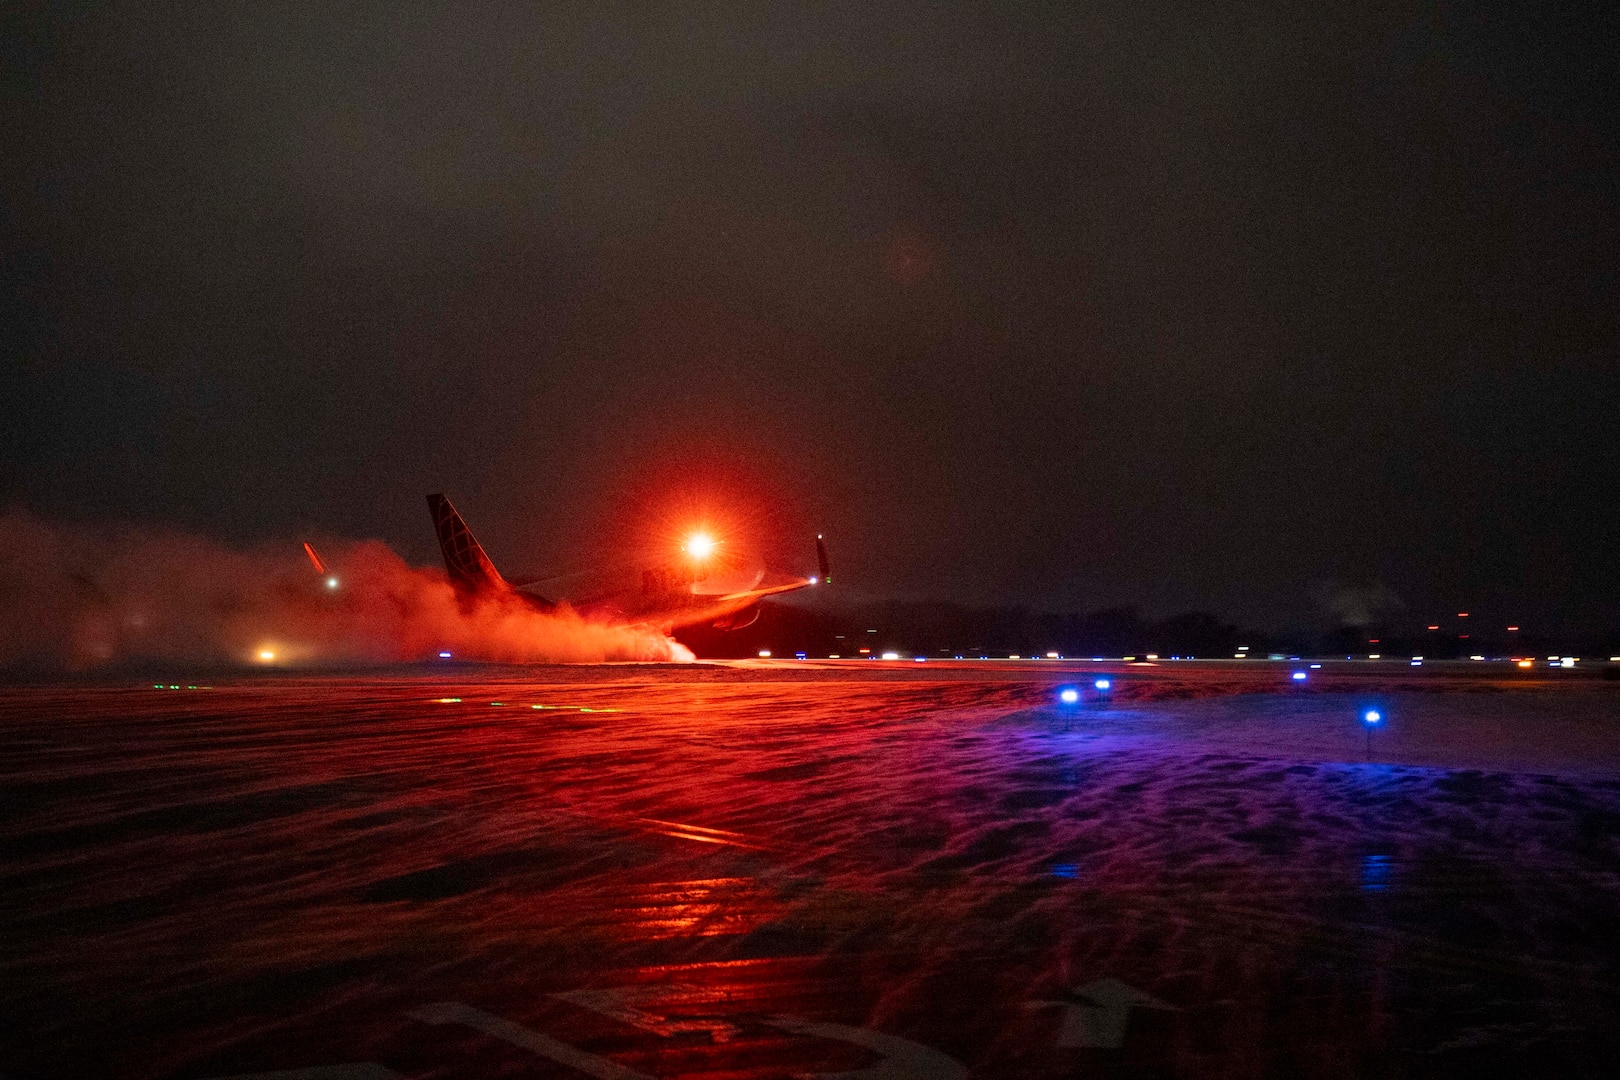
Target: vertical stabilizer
[464,560]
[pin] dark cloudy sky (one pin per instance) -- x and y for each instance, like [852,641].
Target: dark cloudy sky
[1076,304]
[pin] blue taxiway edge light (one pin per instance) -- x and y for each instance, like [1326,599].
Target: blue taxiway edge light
[1068,695]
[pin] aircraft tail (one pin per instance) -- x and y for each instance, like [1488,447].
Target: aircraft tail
[464,560]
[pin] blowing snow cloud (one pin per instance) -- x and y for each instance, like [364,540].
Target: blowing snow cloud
[79,597]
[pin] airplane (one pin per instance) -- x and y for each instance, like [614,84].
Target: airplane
[701,587]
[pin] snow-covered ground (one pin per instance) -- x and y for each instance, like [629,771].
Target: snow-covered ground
[774,870]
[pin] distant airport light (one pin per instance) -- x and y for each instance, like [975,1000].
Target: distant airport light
[1316,665]
[891,656]
[1476,657]
[1614,659]
[1069,695]
[1513,628]
[1416,663]
[1243,648]
[1051,656]
[444,656]
[920,659]
[1375,656]
[700,545]
[1566,661]
[1462,614]
[765,653]
[1527,663]
[331,583]
[1434,628]
[267,655]
[1152,656]
[1299,676]
[1103,685]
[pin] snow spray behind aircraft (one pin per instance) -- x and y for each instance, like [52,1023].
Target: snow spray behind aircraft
[79,597]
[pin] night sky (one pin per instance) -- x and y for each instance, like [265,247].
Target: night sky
[1248,307]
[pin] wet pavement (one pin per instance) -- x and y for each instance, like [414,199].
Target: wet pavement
[773,871]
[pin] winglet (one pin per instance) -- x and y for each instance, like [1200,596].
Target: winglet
[821,560]
[315,560]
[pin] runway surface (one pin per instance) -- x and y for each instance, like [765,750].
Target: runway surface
[770,870]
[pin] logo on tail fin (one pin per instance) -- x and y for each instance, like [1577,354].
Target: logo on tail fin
[464,560]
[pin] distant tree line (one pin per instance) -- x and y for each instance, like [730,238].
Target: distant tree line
[947,629]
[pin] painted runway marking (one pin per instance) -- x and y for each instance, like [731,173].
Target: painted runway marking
[366,1070]
[902,1058]
[623,1003]
[454,1012]
[682,831]
[1099,1020]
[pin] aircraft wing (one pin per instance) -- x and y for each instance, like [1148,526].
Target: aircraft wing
[711,608]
